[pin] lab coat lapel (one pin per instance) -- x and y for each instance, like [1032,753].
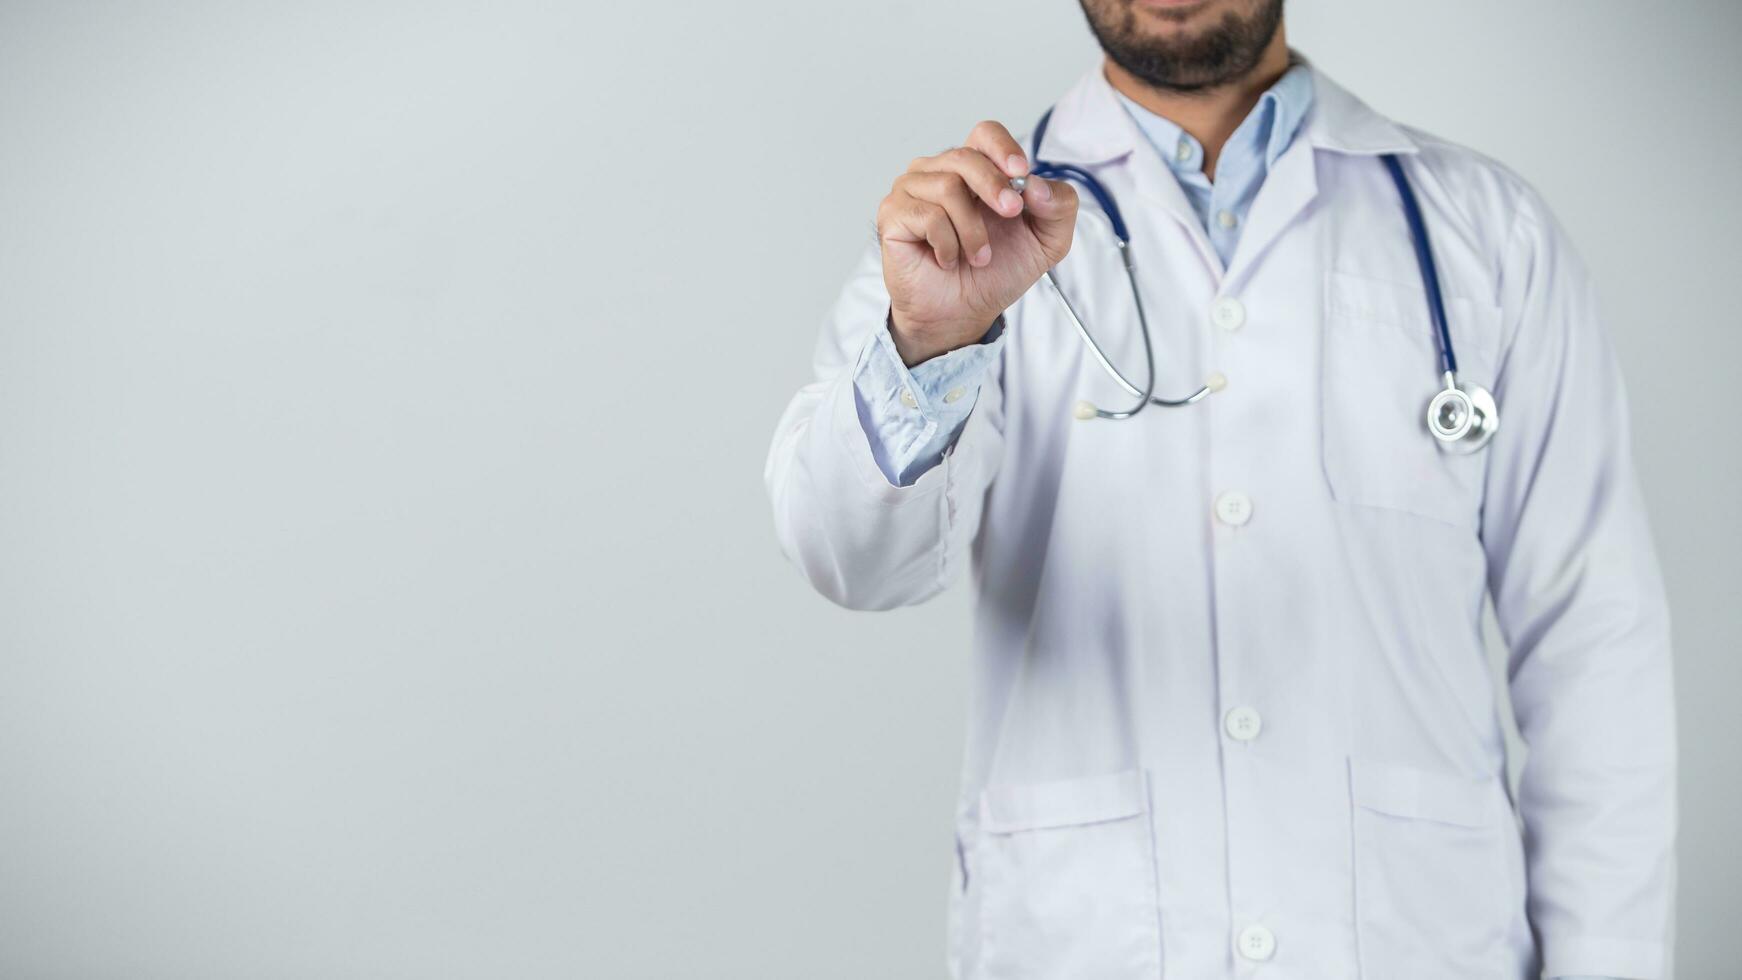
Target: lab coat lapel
[1157,187]
[1289,188]
[1090,129]
[1337,123]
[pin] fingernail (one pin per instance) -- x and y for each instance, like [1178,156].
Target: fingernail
[1016,165]
[1009,201]
[1042,189]
[983,256]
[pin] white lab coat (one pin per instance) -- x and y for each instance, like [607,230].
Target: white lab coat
[1229,698]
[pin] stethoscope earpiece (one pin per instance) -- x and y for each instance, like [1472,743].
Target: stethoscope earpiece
[1086,410]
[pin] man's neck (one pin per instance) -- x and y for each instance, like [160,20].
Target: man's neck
[1211,115]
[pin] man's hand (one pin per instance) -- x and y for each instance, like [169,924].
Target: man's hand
[959,246]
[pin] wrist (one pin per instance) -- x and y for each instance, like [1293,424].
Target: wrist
[917,344]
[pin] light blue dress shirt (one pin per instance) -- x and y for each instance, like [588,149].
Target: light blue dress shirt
[911,415]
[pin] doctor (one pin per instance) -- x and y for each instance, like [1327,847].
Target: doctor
[1230,713]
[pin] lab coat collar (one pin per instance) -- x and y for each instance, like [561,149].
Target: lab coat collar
[1341,123]
[1090,127]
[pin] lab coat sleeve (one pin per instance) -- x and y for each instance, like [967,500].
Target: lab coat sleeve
[1580,602]
[910,434]
[861,540]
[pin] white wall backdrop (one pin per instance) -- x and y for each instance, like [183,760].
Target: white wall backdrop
[386,584]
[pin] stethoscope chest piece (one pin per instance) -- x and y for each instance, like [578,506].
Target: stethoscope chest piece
[1462,417]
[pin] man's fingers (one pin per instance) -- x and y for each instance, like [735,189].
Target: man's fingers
[988,182]
[939,200]
[940,233]
[1052,213]
[992,139]
[949,192]
[904,218]
[1049,199]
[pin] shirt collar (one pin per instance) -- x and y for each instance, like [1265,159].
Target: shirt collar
[1090,124]
[1267,129]
[1290,99]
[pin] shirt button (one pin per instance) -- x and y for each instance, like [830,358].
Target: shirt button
[1184,151]
[1227,219]
[1228,313]
[1233,508]
[954,395]
[908,399]
[1256,943]
[1243,724]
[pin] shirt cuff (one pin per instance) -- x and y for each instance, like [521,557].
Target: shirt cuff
[911,416]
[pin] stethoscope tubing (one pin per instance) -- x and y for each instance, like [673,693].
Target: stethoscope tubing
[1471,405]
[1122,238]
[1147,393]
[1424,259]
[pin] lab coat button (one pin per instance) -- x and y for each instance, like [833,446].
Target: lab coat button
[954,395]
[1228,313]
[1256,943]
[1242,724]
[908,399]
[1233,508]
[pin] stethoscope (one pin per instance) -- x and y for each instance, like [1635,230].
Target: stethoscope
[1462,416]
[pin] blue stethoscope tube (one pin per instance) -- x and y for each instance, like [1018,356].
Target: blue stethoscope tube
[1461,417]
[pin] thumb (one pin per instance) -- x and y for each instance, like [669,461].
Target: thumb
[1051,209]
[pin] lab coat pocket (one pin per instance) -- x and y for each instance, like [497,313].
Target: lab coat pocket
[1381,367]
[1433,891]
[1065,880]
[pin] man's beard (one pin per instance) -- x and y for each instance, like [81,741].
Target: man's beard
[1205,60]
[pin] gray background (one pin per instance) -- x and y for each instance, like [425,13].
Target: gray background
[386,583]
